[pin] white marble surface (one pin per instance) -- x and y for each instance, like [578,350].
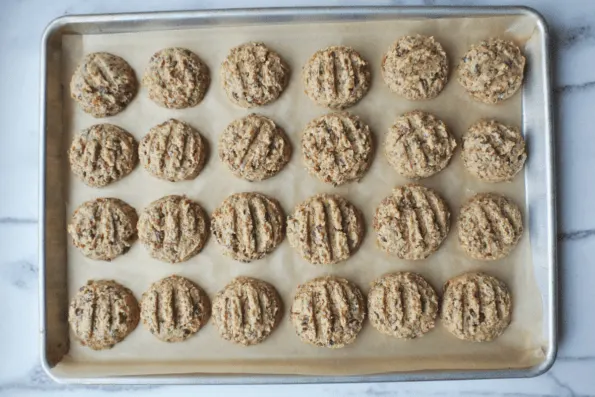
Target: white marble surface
[21,23]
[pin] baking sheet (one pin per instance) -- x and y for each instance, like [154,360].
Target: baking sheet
[522,345]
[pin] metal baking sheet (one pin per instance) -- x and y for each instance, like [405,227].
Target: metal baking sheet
[539,199]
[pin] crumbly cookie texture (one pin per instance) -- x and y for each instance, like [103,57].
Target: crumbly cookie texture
[253,75]
[492,70]
[415,67]
[328,312]
[174,308]
[173,151]
[490,226]
[103,228]
[103,313]
[336,77]
[493,152]
[412,222]
[403,305]
[102,154]
[476,307]
[176,78]
[248,226]
[173,229]
[419,145]
[103,84]
[325,229]
[337,148]
[247,310]
[254,148]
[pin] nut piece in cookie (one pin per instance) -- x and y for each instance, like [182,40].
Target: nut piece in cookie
[103,313]
[103,84]
[176,78]
[254,148]
[253,75]
[173,229]
[492,70]
[247,310]
[103,228]
[328,312]
[325,229]
[174,308]
[415,67]
[476,307]
[336,77]
[490,226]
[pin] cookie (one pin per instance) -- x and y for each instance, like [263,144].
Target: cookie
[247,310]
[337,148]
[476,307]
[492,70]
[336,77]
[253,75]
[248,226]
[173,151]
[103,228]
[493,152]
[412,222]
[415,67]
[490,226]
[103,84]
[176,78]
[325,229]
[103,313]
[328,312]
[254,148]
[419,145]
[174,308]
[403,305]
[102,154]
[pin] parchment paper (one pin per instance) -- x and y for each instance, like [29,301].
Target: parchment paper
[283,353]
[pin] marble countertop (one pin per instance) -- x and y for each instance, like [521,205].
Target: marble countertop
[572,24]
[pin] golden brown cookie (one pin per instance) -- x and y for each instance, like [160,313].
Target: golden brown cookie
[103,313]
[247,310]
[328,312]
[103,228]
[325,229]
[490,226]
[476,307]
[174,308]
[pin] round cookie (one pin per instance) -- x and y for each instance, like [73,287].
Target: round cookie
[337,148]
[103,313]
[325,229]
[173,151]
[103,84]
[103,228]
[174,308]
[490,226]
[254,148]
[492,70]
[476,307]
[253,75]
[176,78]
[248,226]
[328,312]
[493,152]
[247,310]
[336,77]
[419,145]
[412,222]
[173,229]
[102,154]
[403,305]
[415,67]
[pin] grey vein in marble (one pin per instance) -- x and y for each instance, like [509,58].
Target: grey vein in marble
[567,89]
[20,221]
[576,235]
